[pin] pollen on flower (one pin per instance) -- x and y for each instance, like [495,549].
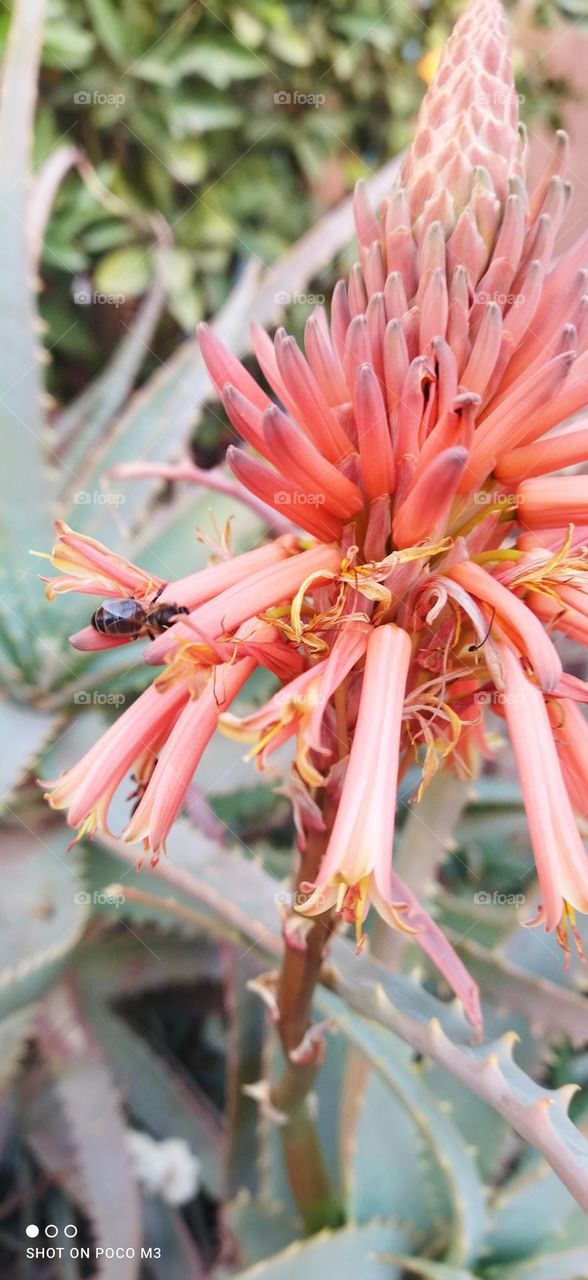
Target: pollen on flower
[433,557]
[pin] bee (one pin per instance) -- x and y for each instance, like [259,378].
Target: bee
[130,618]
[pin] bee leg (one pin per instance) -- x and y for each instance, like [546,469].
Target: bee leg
[158,593]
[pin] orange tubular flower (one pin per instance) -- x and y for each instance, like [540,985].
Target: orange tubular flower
[412,440]
[363,830]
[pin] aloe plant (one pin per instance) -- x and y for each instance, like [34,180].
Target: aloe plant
[450,1160]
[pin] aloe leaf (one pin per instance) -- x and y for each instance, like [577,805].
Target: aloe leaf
[444,1142]
[48,1138]
[564,1264]
[258,1229]
[46,185]
[88,1098]
[428,832]
[486,1133]
[429,1270]
[245,1046]
[531,1212]
[353,1251]
[25,487]
[28,732]
[161,416]
[548,1008]
[243,896]
[122,966]
[15,1031]
[539,1115]
[104,870]
[158,1096]
[275,1191]
[385,1138]
[169,1246]
[44,915]
[83,424]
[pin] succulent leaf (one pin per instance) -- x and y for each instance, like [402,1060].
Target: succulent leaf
[157,1095]
[345,1253]
[444,1145]
[45,914]
[25,487]
[88,1097]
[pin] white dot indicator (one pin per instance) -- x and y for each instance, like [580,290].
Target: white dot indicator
[32,1230]
[70,1231]
[51,1230]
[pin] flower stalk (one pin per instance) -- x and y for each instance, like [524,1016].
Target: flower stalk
[309,1180]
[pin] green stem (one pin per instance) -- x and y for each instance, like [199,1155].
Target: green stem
[309,1180]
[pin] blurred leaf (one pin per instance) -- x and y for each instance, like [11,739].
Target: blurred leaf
[220,60]
[431,1270]
[567,1264]
[46,185]
[487,1134]
[351,1252]
[292,46]
[161,415]
[259,1230]
[114,31]
[550,1009]
[66,45]
[125,965]
[158,1096]
[104,870]
[444,1146]
[85,421]
[187,160]
[45,913]
[195,113]
[174,1252]
[411,1191]
[530,1213]
[25,487]
[88,1098]
[15,1032]
[27,731]
[124,272]
[245,1045]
